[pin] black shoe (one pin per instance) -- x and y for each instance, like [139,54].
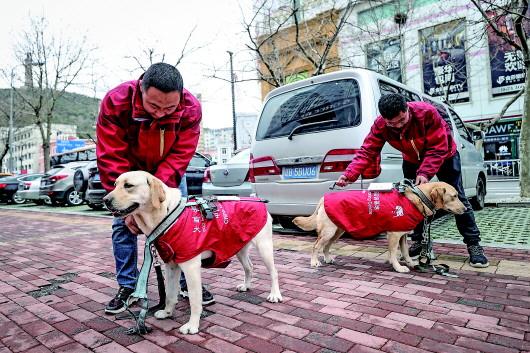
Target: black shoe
[207,297]
[117,304]
[415,249]
[477,257]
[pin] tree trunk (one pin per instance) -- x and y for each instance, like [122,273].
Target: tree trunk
[524,143]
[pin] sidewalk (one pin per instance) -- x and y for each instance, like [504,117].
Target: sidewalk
[56,275]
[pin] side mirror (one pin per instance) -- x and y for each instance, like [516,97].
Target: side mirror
[213,163]
[478,135]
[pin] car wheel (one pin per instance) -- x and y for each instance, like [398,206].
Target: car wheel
[17,199]
[287,222]
[73,198]
[47,201]
[478,201]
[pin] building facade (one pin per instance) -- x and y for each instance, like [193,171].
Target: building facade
[27,149]
[443,48]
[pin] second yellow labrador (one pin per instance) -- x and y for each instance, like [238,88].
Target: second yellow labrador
[442,195]
[148,200]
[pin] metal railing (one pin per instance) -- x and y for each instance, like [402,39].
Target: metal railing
[506,168]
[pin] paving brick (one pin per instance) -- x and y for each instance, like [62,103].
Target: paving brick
[9,328]
[53,339]
[295,344]
[91,339]
[21,342]
[81,315]
[320,327]
[37,349]
[257,320]
[70,327]
[399,336]
[256,344]
[100,324]
[361,338]
[23,318]
[37,328]
[496,329]
[381,321]
[118,335]
[224,321]
[72,348]
[112,347]
[410,320]
[331,343]
[396,347]
[483,346]
[224,333]
[288,330]
[181,347]
[146,346]
[439,347]
[509,342]
[257,331]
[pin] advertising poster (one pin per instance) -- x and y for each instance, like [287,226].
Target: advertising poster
[385,57]
[444,60]
[506,63]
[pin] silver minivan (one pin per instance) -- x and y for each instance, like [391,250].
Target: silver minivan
[308,133]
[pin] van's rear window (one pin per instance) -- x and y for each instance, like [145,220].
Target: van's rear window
[323,106]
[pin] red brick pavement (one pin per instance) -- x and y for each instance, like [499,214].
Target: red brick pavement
[355,305]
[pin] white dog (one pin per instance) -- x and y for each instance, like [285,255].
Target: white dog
[148,200]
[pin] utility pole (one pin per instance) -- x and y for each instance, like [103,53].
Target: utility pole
[233,100]
[11,132]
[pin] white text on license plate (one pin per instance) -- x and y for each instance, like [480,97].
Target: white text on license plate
[300,172]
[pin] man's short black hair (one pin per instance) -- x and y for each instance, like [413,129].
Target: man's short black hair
[164,77]
[391,105]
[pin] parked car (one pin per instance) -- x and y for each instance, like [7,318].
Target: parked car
[29,189]
[87,181]
[8,190]
[231,178]
[308,133]
[58,184]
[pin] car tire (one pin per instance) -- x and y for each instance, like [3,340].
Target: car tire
[96,206]
[73,198]
[17,199]
[287,223]
[478,201]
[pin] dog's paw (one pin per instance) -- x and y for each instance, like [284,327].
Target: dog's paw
[402,269]
[189,329]
[329,260]
[162,314]
[316,263]
[274,298]
[241,287]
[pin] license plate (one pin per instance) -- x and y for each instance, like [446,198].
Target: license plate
[305,171]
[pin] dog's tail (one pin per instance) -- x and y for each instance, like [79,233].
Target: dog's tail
[309,223]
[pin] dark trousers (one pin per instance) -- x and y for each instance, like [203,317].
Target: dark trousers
[451,173]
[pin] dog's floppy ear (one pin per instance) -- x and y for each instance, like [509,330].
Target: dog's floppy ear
[437,196]
[158,195]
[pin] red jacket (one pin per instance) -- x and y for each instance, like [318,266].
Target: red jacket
[365,214]
[426,140]
[130,139]
[235,224]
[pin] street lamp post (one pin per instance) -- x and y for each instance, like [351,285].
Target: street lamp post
[11,132]
[233,100]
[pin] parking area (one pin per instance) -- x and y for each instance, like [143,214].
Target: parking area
[57,275]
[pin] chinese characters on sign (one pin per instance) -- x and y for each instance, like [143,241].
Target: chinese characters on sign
[444,61]
[507,66]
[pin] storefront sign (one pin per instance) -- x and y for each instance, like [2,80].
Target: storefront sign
[444,60]
[507,66]
[385,57]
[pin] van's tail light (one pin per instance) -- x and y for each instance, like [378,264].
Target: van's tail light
[56,178]
[337,160]
[27,185]
[2,185]
[262,166]
[207,177]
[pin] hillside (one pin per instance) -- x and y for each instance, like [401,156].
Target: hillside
[72,108]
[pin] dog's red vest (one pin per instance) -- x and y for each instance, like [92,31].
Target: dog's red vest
[365,214]
[235,223]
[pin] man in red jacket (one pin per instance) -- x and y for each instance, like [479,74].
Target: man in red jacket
[150,124]
[426,143]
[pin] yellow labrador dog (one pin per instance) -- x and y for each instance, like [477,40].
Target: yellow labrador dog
[148,200]
[442,195]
